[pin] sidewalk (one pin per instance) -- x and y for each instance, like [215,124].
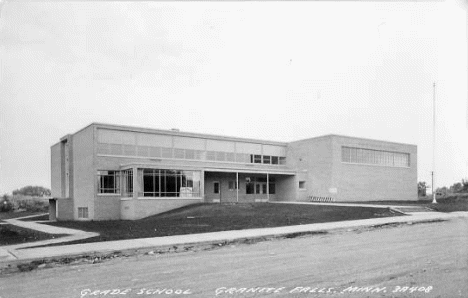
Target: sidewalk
[9,252]
[407,209]
[12,253]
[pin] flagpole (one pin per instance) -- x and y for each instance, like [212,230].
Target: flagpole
[434,201]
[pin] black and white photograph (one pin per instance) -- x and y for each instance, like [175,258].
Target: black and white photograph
[233,148]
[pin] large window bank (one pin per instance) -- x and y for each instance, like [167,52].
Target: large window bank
[108,171]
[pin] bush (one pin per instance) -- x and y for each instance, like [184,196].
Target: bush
[27,203]
[5,205]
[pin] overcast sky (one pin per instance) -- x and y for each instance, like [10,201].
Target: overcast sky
[271,70]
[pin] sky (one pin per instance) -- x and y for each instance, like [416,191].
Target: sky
[272,70]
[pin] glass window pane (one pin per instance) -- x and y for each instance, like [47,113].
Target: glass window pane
[272,188]
[257,188]
[210,155]
[230,157]
[166,152]
[155,151]
[171,186]
[249,188]
[179,153]
[220,156]
[282,160]
[274,160]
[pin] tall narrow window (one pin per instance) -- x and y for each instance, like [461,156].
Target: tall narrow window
[216,187]
[127,187]
[272,188]
[249,186]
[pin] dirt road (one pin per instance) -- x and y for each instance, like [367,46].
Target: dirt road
[421,260]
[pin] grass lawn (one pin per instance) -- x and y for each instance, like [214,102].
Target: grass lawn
[36,218]
[10,234]
[445,204]
[202,218]
[11,214]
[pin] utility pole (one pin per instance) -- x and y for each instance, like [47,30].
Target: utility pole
[434,201]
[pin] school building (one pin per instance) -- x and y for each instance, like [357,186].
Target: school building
[105,172]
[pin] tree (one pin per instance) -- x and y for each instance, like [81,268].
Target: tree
[464,185]
[34,191]
[422,186]
[5,204]
[456,187]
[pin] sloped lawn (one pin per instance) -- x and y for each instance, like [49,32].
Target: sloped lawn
[450,203]
[202,218]
[10,234]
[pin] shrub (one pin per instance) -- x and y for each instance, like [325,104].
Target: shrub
[27,203]
[5,204]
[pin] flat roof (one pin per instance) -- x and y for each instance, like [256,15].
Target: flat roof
[354,138]
[184,134]
[220,137]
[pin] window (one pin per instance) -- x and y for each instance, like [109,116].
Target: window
[108,182]
[282,160]
[232,185]
[257,159]
[220,156]
[179,153]
[274,160]
[129,150]
[266,159]
[301,184]
[82,212]
[375,157]
[215,187]
[143,150]
[189,154]
[155,151]
[249,186]
[241,157]
[115,149]
[166,152]
[271,188]
[127,180]
[230,157]
[169,183]
[211,155]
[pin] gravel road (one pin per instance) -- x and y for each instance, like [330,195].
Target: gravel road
[419,260]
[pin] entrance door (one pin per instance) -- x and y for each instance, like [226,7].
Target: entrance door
[261,191]
[260,188]
[217,191]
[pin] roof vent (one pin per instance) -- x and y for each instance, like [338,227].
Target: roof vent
[175,129]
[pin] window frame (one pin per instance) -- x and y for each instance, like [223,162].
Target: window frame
[115,190]
[302,185]
[216,190]
[82,211]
